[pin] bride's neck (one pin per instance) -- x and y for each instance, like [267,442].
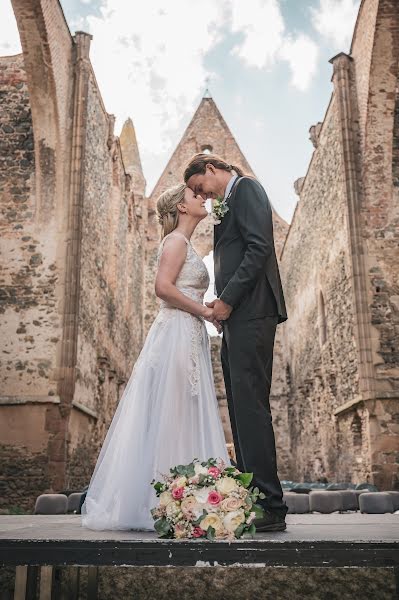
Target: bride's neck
[187,228]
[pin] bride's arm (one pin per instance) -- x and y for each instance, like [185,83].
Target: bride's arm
[170,264]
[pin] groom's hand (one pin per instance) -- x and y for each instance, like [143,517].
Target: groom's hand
[221,310]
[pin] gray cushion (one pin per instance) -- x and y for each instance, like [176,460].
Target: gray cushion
[349,500]
[297,503]
[74,501]
[325,502]
[51,504]
[395,499]
[289,499]
[376,503]
[301,503]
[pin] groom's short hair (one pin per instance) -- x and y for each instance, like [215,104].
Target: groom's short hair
[197,165]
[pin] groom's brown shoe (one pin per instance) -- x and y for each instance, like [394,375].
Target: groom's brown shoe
[270,522]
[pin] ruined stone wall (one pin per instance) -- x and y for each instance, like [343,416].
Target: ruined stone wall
[319,338]
[344,392]
[380,233]
[47,442]
[29,269]
[111,290]
[30,320]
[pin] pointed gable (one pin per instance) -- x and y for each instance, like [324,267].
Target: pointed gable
[207,131]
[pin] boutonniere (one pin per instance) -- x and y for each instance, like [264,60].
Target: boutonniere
[219,209]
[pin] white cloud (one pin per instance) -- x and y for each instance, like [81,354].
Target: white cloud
[335,21]
[262,26]
[149,63]
[301,53]
[265,41]
[9,35]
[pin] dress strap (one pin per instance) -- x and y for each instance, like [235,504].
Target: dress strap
[175,233]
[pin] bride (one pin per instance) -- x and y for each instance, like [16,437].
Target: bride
[168,413]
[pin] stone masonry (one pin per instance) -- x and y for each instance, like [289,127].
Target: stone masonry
[340,271]
[72,240]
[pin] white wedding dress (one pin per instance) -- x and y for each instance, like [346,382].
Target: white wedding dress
[168,413]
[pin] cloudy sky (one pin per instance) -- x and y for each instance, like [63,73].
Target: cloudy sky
[266,61]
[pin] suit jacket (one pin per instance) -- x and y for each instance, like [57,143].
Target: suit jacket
[246,271]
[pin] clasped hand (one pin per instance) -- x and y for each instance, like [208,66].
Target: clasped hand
[218,311]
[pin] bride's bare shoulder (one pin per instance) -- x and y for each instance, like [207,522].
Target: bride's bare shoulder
[173,245]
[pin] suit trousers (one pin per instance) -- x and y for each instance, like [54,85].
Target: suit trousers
[247,360]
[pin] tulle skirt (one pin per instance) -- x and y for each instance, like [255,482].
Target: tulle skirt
[168,415]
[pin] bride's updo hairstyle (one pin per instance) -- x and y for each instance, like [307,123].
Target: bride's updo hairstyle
[168,213]
[197,165]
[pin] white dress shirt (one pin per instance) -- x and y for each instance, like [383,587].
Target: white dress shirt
[230,185]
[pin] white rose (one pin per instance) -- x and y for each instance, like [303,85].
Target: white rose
[200,470]
[180,482]
[226,485]
[233,519]
[231,503]
[173,509]
[165,498]
[190,505]
[201,495]
[212,520]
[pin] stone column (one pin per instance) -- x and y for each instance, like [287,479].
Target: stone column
[67,371]
[347,110]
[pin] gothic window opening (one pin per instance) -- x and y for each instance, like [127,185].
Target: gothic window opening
[356,428]
[322,319]
[207,149]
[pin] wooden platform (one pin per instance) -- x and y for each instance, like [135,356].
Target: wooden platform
[350,539]
[42,547]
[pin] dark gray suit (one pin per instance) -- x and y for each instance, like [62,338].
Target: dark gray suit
[248,279]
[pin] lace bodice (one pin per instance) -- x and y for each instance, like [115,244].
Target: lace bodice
[193,279]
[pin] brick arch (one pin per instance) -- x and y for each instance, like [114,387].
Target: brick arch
[48,56]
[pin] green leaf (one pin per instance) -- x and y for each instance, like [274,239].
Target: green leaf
[210,533]
[159,487]
[245,478]
[258,510]
[252,529]
[190,472]
[162,527]
[229,470]
[239,531]
[262,496]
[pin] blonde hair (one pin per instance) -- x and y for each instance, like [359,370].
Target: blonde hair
[168,214]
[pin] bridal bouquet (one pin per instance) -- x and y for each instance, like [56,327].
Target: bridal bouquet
[206,500]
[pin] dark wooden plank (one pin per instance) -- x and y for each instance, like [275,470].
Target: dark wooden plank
[198,553]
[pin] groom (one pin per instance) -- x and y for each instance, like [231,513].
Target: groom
[250,304]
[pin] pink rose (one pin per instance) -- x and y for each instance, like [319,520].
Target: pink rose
[214,471]
[177,493]
[198,532]
[214,498]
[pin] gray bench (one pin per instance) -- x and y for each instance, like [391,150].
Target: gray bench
[51,504]
[376,503]
[325,501]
